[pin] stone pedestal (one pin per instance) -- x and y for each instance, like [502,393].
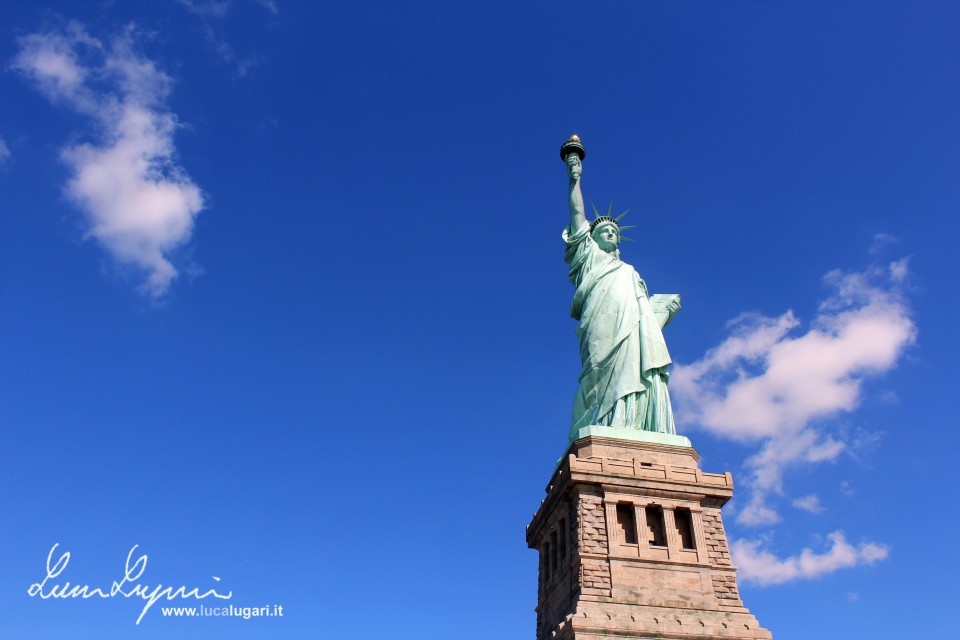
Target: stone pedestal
[632,545]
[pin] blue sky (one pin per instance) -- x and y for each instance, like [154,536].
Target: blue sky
[284,301]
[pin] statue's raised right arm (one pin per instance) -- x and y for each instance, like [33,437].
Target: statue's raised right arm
[578,217]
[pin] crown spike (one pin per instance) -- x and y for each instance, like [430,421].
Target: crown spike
[621,215]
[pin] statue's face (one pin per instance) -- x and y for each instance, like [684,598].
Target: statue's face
[606,237]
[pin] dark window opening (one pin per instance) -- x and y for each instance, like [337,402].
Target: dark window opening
[656,532]
[543,566]
[563,540]
[627,521]
[554,564]
[684,521]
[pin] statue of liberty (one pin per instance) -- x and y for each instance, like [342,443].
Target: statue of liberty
[623,382]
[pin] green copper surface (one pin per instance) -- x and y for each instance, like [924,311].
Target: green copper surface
[623,382]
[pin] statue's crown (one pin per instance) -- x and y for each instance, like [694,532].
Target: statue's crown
[604,220]
[608,219]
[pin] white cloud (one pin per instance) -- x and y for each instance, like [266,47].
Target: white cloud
[759,566]
[769,384]
[139,204]
[757,513]
[899,269]
[4,151]
[809,503]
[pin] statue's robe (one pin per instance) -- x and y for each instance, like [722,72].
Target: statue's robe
[623,382]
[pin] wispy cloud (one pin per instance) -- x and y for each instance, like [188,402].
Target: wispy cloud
[207,8]
[776,385]
[882,241]
[212,15]
[4,151]
[759,566]
[139,204]
[809,503]
[269,5]
[228,54]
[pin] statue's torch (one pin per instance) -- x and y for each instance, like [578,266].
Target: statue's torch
[572,145]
